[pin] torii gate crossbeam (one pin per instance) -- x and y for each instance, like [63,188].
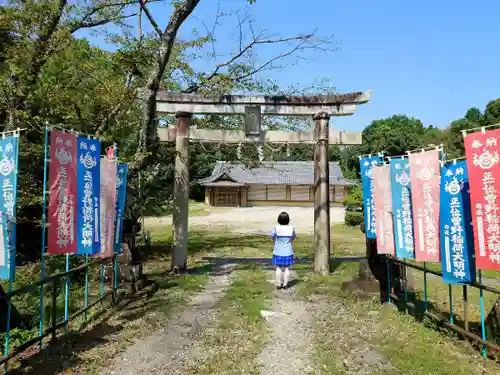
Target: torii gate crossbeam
[321,107]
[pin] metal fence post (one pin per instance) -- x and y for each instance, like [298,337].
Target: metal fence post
[44,220]
[54,309]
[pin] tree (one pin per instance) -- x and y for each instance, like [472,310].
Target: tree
[394,135]
[492,112]
[49,77]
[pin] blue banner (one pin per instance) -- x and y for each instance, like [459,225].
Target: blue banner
[88,196]
[9,148]
[366,164]
[121,195]
[401,208]
[457,241]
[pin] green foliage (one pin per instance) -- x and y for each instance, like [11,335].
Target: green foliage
[353,219]
[17,338]
[394,135]
[492,113]
[354,198]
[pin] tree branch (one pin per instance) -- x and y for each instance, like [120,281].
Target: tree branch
[304,42]
[150,18]
[88,20]
[148,136]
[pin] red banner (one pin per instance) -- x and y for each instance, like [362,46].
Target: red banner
[482,152]
[62,184]
[382,200]
[108,205]
[424,178]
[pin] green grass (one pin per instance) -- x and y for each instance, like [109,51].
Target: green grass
[411,347]
[239,334]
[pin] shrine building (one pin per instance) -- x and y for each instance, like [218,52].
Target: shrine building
[278,183]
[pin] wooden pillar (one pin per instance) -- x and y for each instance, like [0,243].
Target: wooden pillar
[321,196]
[181,193]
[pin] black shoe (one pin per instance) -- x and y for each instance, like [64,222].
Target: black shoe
[279,287]
[284,287]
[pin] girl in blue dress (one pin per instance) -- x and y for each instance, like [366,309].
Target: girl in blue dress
[283,235]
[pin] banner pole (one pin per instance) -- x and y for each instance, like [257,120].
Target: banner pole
[387,256]
[426,302]
[115,259]
[44,220]
[66,296]
[101,277]
[405,287]
[450,289]
[481,307]
[86,285]
[450,295]
[388,279]
[12,257]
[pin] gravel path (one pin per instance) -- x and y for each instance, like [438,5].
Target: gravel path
[255,219]
[170,350]
[290,349]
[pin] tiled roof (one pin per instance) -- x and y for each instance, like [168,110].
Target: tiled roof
[274,173]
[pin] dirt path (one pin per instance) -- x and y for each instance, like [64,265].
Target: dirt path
[254,219]
[170,350]
[290,349]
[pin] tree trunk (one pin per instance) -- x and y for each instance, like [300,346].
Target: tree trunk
[373,274]
[16,321]
[493,322]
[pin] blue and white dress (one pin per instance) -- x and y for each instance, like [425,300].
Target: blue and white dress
[283,249]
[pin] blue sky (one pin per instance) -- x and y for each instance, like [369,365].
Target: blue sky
[428,59]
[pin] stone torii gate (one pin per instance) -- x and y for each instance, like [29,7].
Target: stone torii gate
[320,107]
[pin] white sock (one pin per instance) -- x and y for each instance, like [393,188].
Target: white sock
[287,275]
[278,276]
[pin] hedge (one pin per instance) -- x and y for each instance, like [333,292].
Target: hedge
[353,219]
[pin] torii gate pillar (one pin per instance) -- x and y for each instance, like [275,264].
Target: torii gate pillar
[180,213]
[321,196]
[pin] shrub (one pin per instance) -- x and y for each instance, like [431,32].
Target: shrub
[354,199]
[353,219]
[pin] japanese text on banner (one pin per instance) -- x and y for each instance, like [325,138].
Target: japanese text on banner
[456,225]
[62,184]
[424,175]
[383,207]
[482,152]
[401,208]
[121,195]
[108,205]
[8,191]
[367,163]
[88,173]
